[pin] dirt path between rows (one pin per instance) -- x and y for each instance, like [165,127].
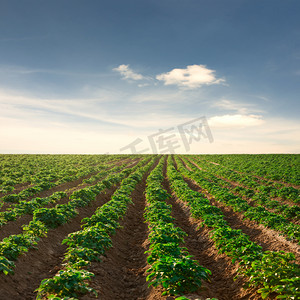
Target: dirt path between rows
[22,186]
[44,262]
[122,273]
[260,178]
[61,187]
[15,227]
[269,239]
[249,200]
[222,284]
[235,184]
[18,188]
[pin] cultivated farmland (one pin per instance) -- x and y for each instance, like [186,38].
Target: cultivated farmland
[149,227]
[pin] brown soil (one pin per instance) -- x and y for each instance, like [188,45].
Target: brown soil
[62,187]
[15,227]
[22,186]
[260,177]
[235,184]
[18,188]
[122,272]
[47,259]
[249,200]
[47,193]
[43,262]
[222,284]
[269,239]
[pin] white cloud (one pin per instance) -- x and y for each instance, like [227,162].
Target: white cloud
[128,73]
[94,111]
[240,108]
[235,121]
[193,76]
[39,125]
[273,135]
[18,106]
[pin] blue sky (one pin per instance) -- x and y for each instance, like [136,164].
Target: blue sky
[95,76]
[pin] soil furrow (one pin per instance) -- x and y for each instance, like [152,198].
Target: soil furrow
[64,186]
[121,273]
[18,188]
[235,184]
[15,227]
[259,177]
[47,193]
[269,239]
[222,284]
[45,261]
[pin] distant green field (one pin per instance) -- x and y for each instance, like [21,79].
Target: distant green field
[149,226]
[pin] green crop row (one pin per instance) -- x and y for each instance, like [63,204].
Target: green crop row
[255,213]
[171,265]
[90,243]
[260,196]
[268,188]
[28,207]
[103,173]
[46,218]
[34,169]
[278,167]
[46,184]
[272,272]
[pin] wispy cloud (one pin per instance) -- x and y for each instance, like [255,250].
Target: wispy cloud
[239,107]
[18,106]
[193,76]
[108,110]
[34,125]
[235,121]
[252,134]
[20,70]
[128,73]
[264,98]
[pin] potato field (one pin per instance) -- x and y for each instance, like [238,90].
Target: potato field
[149,227]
